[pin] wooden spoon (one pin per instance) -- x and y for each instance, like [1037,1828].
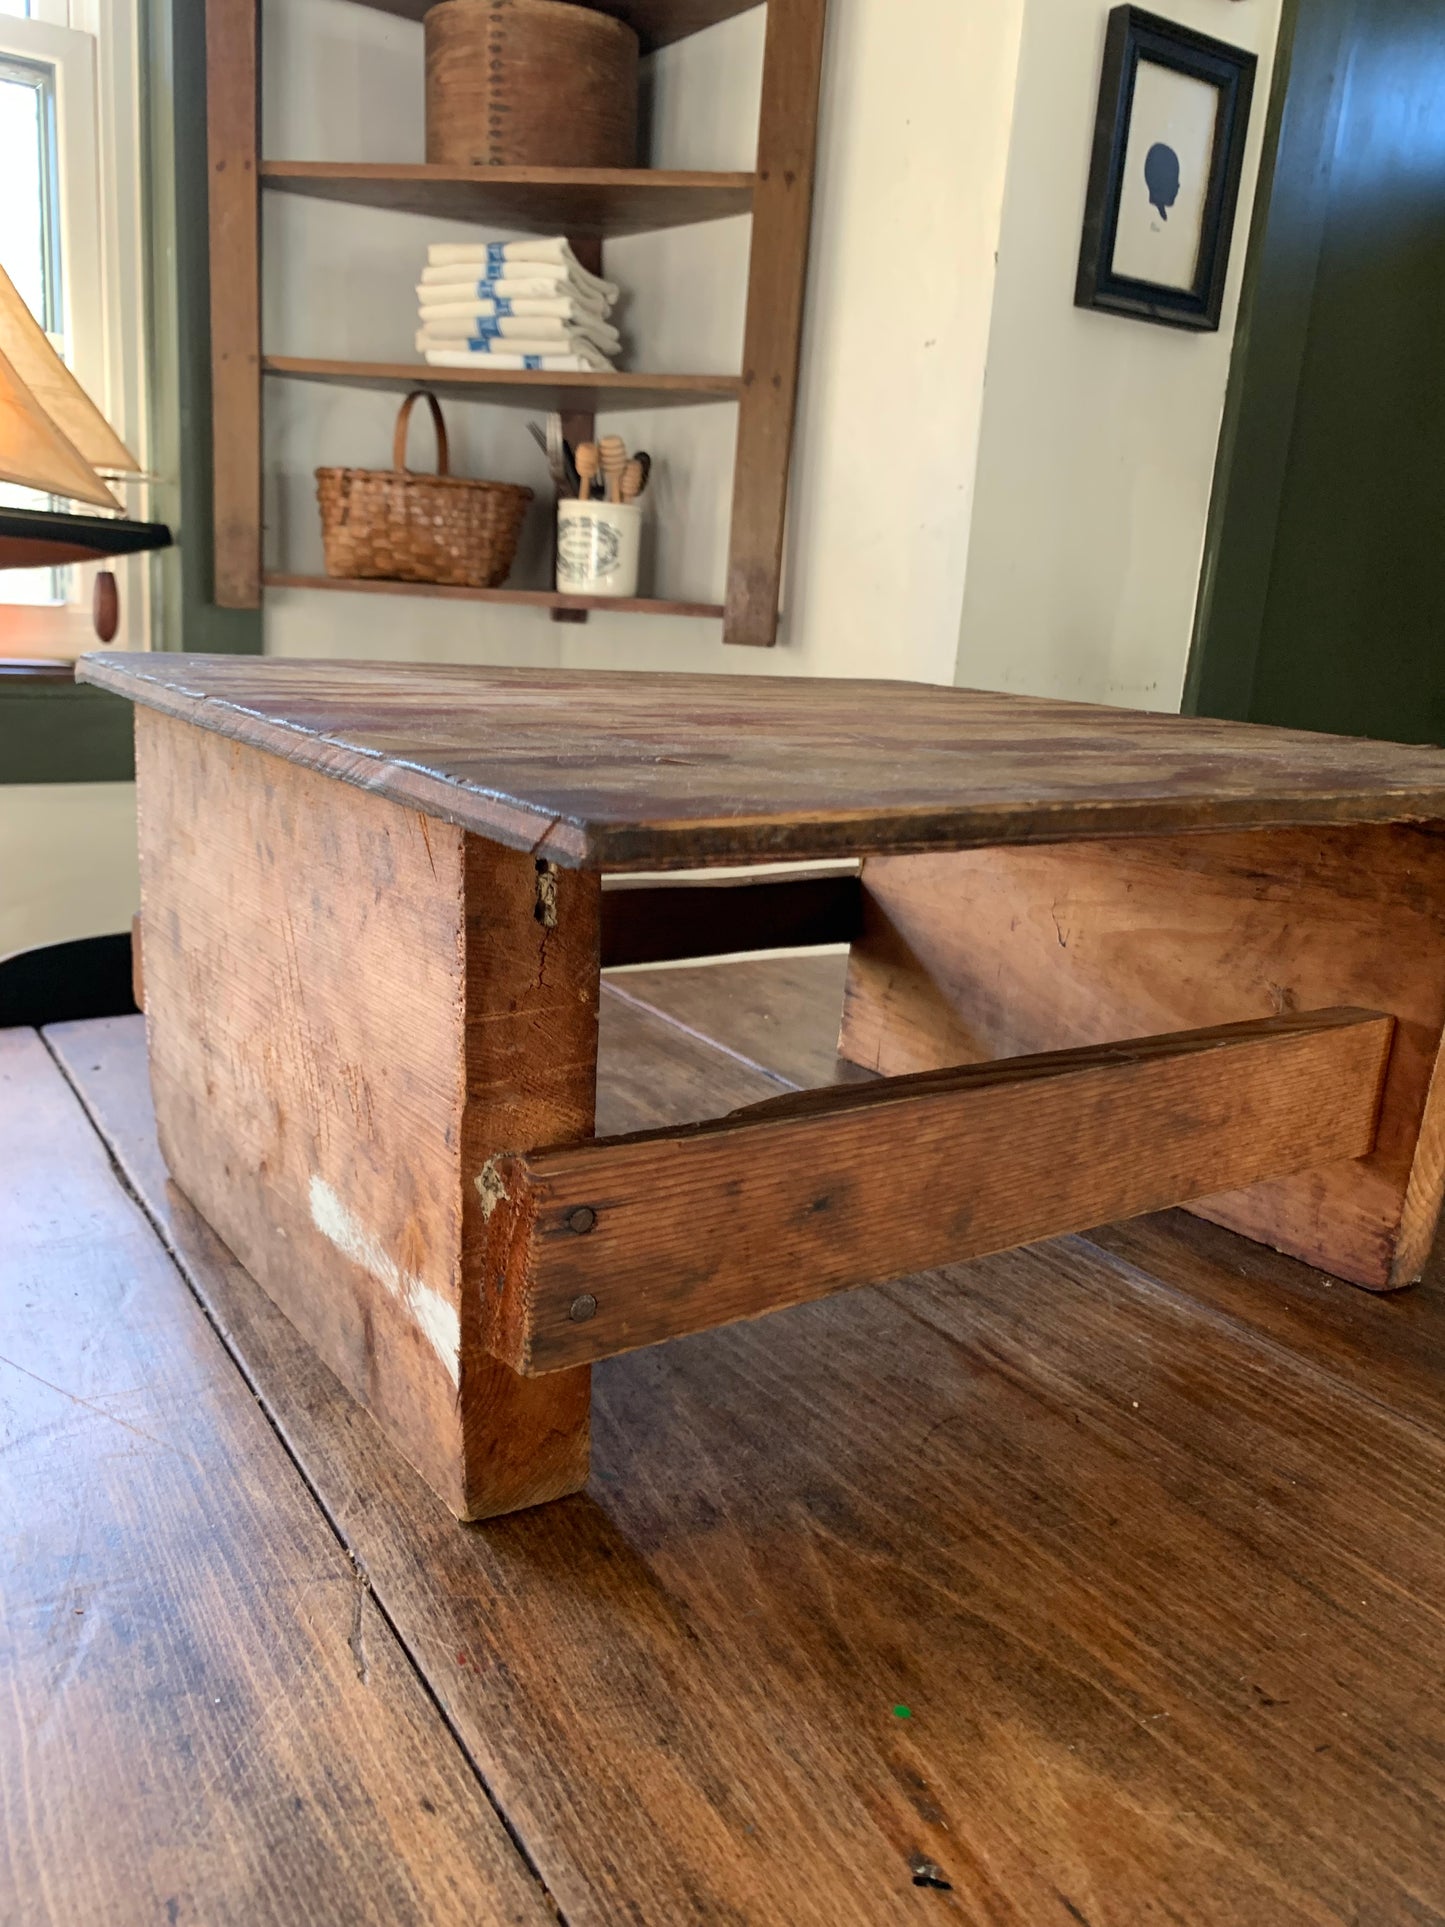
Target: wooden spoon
[588,462]
[613,451]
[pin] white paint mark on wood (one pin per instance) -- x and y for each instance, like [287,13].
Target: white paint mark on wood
[436,1319]
[490,1188]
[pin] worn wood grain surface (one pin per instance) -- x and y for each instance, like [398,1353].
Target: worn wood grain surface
[512,387]
[207,1719]
[992,952]
[574,608]
[778,1015]
[529,1010]
[233,142]
[1035,1578]
[348,1014]
[530,200]
[619,771]
[657,23]
[660,1234]
[773,332]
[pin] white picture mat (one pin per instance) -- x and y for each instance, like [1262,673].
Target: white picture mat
[1181,112]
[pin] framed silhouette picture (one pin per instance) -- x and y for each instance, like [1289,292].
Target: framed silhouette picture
[1164,179]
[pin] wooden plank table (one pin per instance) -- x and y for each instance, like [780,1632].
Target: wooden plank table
[1103,962]
[1096,1582]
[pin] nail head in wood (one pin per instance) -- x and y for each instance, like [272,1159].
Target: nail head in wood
[583,1308]
[581,1221]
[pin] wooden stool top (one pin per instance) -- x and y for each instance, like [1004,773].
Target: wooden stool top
[653,772]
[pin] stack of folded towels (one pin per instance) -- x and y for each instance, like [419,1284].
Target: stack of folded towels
[515,304]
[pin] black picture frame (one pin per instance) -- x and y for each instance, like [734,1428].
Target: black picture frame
[1134,37]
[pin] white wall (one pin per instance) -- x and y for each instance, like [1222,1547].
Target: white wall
[911,174]
[991,486]
[67,862]
[912,144]
[1096,455]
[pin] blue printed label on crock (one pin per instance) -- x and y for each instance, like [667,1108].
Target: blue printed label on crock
[588,549]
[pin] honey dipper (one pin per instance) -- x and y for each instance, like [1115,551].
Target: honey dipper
[613,451]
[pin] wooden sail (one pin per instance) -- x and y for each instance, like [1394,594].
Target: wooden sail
[35,453]
[26,346]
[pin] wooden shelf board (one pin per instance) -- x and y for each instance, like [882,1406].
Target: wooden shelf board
[542,200]
[657,22]
[519,388]
[527,598]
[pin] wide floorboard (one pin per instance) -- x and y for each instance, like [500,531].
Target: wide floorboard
[1096,1583]
[206,1714]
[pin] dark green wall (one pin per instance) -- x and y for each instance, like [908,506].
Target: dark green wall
[180,305]
[1324,590]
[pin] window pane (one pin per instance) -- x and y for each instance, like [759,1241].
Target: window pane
[20,8]
[29,167]
[22,207]
[27,251]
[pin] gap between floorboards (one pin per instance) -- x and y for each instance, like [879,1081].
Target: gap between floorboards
[232,1352]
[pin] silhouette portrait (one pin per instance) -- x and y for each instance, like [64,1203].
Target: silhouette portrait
[1164,177]
[1161,177]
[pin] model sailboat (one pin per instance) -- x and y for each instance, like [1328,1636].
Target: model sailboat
[53,438]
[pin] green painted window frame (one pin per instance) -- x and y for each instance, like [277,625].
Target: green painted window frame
[53,730]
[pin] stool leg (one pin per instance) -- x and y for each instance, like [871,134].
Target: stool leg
[533,983]
[350,1007]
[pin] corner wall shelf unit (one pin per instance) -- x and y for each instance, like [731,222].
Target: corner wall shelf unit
[588,204]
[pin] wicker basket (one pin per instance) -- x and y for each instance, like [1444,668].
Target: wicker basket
[390,525]
[529,83]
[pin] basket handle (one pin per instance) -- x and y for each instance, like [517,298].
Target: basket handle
[403,423]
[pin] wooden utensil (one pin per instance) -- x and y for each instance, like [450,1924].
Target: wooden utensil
[588,462]
[613,451]
[557,453]
[554,448]
[634,480]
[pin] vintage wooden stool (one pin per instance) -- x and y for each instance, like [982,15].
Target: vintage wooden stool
[374,919]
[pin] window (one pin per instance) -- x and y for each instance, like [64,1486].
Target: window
[57,12]
[70,239]
[30,251]
[30,210]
